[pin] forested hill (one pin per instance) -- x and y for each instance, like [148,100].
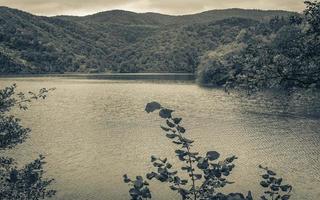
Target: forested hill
[131,18]
[118,41]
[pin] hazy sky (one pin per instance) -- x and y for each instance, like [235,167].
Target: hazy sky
[176,7]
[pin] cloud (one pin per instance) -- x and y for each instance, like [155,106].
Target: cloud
[83,7]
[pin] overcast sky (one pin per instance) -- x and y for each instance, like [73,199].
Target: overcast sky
[175,7]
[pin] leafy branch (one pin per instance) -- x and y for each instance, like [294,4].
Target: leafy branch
[205,173]
[27,182]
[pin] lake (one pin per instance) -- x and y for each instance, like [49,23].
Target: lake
[94,131]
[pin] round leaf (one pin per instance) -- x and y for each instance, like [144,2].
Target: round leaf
[213,155]
[165,113]
[152,106]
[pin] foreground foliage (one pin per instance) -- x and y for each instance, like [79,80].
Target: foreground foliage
[205,173]
[26,182]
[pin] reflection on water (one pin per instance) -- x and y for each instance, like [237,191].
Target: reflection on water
[93,131]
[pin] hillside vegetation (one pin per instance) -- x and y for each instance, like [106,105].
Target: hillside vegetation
[285,53]
[118,41]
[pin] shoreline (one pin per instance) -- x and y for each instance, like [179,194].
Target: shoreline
[111,76]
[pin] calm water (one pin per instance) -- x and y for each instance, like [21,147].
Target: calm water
[92,132]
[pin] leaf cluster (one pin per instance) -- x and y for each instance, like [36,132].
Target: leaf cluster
[27,182]
[11,131]
[275,188]
[139,188]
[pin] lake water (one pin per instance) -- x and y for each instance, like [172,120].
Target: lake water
[94,131]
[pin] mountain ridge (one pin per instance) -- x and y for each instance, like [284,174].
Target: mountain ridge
[264,14]
[202,17]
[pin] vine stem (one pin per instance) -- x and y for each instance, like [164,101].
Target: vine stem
[180,188]
[192,176]
[191,166]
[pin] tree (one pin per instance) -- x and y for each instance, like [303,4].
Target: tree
[312,15]
[282,54]
[27,182]
[200,177]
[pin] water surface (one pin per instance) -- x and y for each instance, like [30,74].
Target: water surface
[94,131]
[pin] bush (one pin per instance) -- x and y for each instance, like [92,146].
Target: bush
[27,182]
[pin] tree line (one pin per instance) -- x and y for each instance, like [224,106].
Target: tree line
[282,53]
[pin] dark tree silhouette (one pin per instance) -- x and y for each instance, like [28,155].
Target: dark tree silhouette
[26,182]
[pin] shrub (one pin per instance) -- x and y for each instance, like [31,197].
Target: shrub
[26,182]
[206,175]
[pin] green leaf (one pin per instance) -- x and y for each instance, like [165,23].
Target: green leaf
[171,136]
[186,168]
[152,106]
[183,192]
[153,158]
[285,188]
[181,157]
[145,193]
[162,171]
[171,125]
[165,128]
[197,176]
[285,197]
[203,163]
[138,184]
[158,164]
[179,152]
[184,182]
[264,184]
[271,173]
[230,159]
[162,177]
[278,181]
[177,120]
[126,179]
[168,165]
[274,188]
[213,155]
[227,173]
[164,160]
[151,175]
[177,180]
[165,113]
[176,142]
[173,188]
[181,129]
[134,192]
[249,196]
[186,140]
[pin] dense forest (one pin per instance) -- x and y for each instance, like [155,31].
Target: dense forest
[284,53]
[121,41]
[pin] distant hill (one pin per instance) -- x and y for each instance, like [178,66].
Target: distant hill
[132,18]
[118,40]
